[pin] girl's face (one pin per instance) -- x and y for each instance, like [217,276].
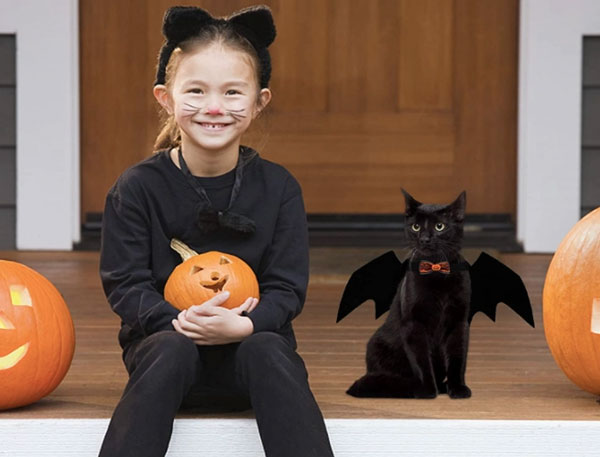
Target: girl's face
[214,97]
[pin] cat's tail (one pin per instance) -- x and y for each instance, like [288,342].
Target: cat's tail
[387,385]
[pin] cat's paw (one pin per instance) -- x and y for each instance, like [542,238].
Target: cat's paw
[459,392]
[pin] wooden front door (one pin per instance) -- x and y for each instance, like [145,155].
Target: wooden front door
[369,96]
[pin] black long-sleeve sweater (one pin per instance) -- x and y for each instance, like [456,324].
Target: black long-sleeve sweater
[152,202]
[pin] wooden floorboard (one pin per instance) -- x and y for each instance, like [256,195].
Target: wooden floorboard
[510,369]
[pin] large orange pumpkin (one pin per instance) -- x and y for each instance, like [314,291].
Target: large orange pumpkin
[572,304]
[201,276]
[37,338]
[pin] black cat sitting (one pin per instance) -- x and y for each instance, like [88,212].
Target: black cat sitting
[421,349]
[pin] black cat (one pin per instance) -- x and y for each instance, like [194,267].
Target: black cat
[421,349]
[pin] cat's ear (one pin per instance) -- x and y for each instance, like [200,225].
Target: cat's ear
[458,207]
[256,24]
[411,203]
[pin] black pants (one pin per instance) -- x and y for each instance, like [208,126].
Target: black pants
[168,371]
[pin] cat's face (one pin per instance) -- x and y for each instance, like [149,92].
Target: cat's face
[435,228]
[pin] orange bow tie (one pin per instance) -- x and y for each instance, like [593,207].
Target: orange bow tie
[426,267]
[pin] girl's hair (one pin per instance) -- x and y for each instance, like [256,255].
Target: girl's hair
[219,33]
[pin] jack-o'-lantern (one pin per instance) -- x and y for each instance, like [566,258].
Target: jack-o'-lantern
[201,276]
[37,338]
[572,304]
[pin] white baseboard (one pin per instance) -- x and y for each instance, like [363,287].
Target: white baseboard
[349,438]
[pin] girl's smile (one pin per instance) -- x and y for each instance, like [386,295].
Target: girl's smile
[213,126]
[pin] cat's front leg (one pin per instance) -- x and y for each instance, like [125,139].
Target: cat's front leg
[418,350]
[456,350]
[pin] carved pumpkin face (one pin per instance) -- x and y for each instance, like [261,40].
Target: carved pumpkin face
[20,299]
[202,276]
[37,338]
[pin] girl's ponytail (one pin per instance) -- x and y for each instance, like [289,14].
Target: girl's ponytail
[169,136]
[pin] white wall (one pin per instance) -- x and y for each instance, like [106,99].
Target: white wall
[549,143]
[47,120]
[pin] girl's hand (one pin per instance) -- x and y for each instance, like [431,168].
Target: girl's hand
[211,324]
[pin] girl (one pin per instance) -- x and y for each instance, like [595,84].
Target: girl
[205,189]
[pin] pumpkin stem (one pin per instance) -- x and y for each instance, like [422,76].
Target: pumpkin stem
[182,249]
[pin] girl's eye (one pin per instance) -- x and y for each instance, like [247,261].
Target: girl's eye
[232,92]
[196,91]
[440,226]
[415,227]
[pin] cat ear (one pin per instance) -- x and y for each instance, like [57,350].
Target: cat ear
[255,23]
[182,22]
[179,24]
[411,203]
[458,207]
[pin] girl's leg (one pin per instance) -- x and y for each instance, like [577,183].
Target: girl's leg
[288,417]
[162,368]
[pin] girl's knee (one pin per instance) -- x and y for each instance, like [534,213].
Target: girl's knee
[268,352]
[167,349]
[258,345]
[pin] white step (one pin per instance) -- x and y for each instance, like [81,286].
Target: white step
[349,437]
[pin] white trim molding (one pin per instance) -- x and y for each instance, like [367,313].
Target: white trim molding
[349,438]
[47,39]
[549,141]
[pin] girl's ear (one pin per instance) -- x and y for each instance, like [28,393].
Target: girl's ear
[264,97]
[161,94]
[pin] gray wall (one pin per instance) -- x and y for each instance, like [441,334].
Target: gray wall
[7,141]
[590,154]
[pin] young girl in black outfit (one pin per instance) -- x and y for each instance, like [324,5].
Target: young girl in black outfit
[205,189]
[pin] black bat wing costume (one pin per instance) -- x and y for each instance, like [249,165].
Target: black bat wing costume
[492,282]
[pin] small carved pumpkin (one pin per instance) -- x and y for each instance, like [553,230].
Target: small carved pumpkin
[37,338]
[201,276]
[572,304]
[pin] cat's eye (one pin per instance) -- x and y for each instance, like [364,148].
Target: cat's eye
[415,227]
[440,226]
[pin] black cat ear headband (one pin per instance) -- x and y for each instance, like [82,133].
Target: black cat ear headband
[183,22]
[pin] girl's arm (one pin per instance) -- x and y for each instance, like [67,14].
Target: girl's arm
[283,275]
[125,268]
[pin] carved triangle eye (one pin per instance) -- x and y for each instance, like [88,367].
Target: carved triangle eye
[19,296]
[224,260]
[195,269]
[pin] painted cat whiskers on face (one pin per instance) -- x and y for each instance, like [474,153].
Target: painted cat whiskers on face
[235,114]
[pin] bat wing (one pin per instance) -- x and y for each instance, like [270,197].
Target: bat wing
[493,282]
[376,280]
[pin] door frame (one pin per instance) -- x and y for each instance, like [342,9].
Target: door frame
[549,134]
[48,188]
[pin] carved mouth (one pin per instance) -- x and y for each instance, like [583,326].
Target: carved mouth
[10,360]
[215,286]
